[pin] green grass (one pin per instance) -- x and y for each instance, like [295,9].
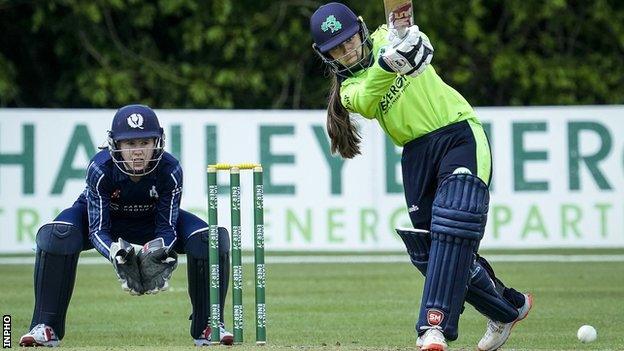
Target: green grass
[332,307]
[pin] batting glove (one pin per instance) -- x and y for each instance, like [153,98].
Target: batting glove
[409,55]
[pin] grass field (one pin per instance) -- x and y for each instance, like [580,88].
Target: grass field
[349,306]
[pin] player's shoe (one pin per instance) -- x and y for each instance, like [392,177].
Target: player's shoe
[419,342]
[226,337]
[433,340]
[497,333]
[40,335]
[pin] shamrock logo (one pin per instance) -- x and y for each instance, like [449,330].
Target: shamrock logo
[135,120]
[331,23]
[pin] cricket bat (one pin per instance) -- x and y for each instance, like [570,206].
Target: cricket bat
[399,14]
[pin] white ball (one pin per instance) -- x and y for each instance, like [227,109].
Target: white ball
[586,333]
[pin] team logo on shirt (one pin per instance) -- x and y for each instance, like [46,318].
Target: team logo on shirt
[135,120]
[331,23]
[153,193]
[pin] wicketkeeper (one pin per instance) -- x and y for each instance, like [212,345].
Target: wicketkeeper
[132,196]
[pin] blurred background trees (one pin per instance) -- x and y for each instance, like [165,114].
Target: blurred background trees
[257,54]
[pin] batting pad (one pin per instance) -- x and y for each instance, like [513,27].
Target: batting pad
[417,243]
[458,219]
[483,295]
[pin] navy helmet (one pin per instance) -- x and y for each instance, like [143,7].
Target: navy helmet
[135,122]
[332,24]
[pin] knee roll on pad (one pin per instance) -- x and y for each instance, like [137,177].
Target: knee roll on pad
[458,220]
[59,238]
[460,207]
[58,248]
[197,244]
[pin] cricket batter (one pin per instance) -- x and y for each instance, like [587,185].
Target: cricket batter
[446,167]
[132,196]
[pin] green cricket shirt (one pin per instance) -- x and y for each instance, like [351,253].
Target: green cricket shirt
[405,107]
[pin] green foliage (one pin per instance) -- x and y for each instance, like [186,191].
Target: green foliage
[257,54]
[8,88]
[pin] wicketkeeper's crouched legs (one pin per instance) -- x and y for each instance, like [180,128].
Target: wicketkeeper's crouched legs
[196,248]
[58,247]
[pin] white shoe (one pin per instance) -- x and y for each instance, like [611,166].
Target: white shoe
[226,338]
[419,342]
[433,340]
[497,333]
[40,335]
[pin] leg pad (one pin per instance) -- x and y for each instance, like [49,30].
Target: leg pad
[418,243]
[58,248]
[458,220]
[198,272]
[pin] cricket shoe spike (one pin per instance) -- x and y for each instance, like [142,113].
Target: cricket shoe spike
[433,340]
[226,337]
[40,335]
[497,333]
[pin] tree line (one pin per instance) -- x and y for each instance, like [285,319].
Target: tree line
[257,54]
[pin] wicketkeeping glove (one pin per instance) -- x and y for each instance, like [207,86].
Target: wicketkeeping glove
[408,55]
[126,266]
[157,264]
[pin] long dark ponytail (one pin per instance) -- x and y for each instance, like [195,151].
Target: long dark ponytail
[344,135]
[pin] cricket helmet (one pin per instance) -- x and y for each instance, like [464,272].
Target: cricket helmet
[332,24]
[135,122]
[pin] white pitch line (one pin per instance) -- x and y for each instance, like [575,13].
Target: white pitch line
[393,258]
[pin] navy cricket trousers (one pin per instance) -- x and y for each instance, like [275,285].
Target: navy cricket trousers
[427,160]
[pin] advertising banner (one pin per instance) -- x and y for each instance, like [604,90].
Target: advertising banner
[558,175]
